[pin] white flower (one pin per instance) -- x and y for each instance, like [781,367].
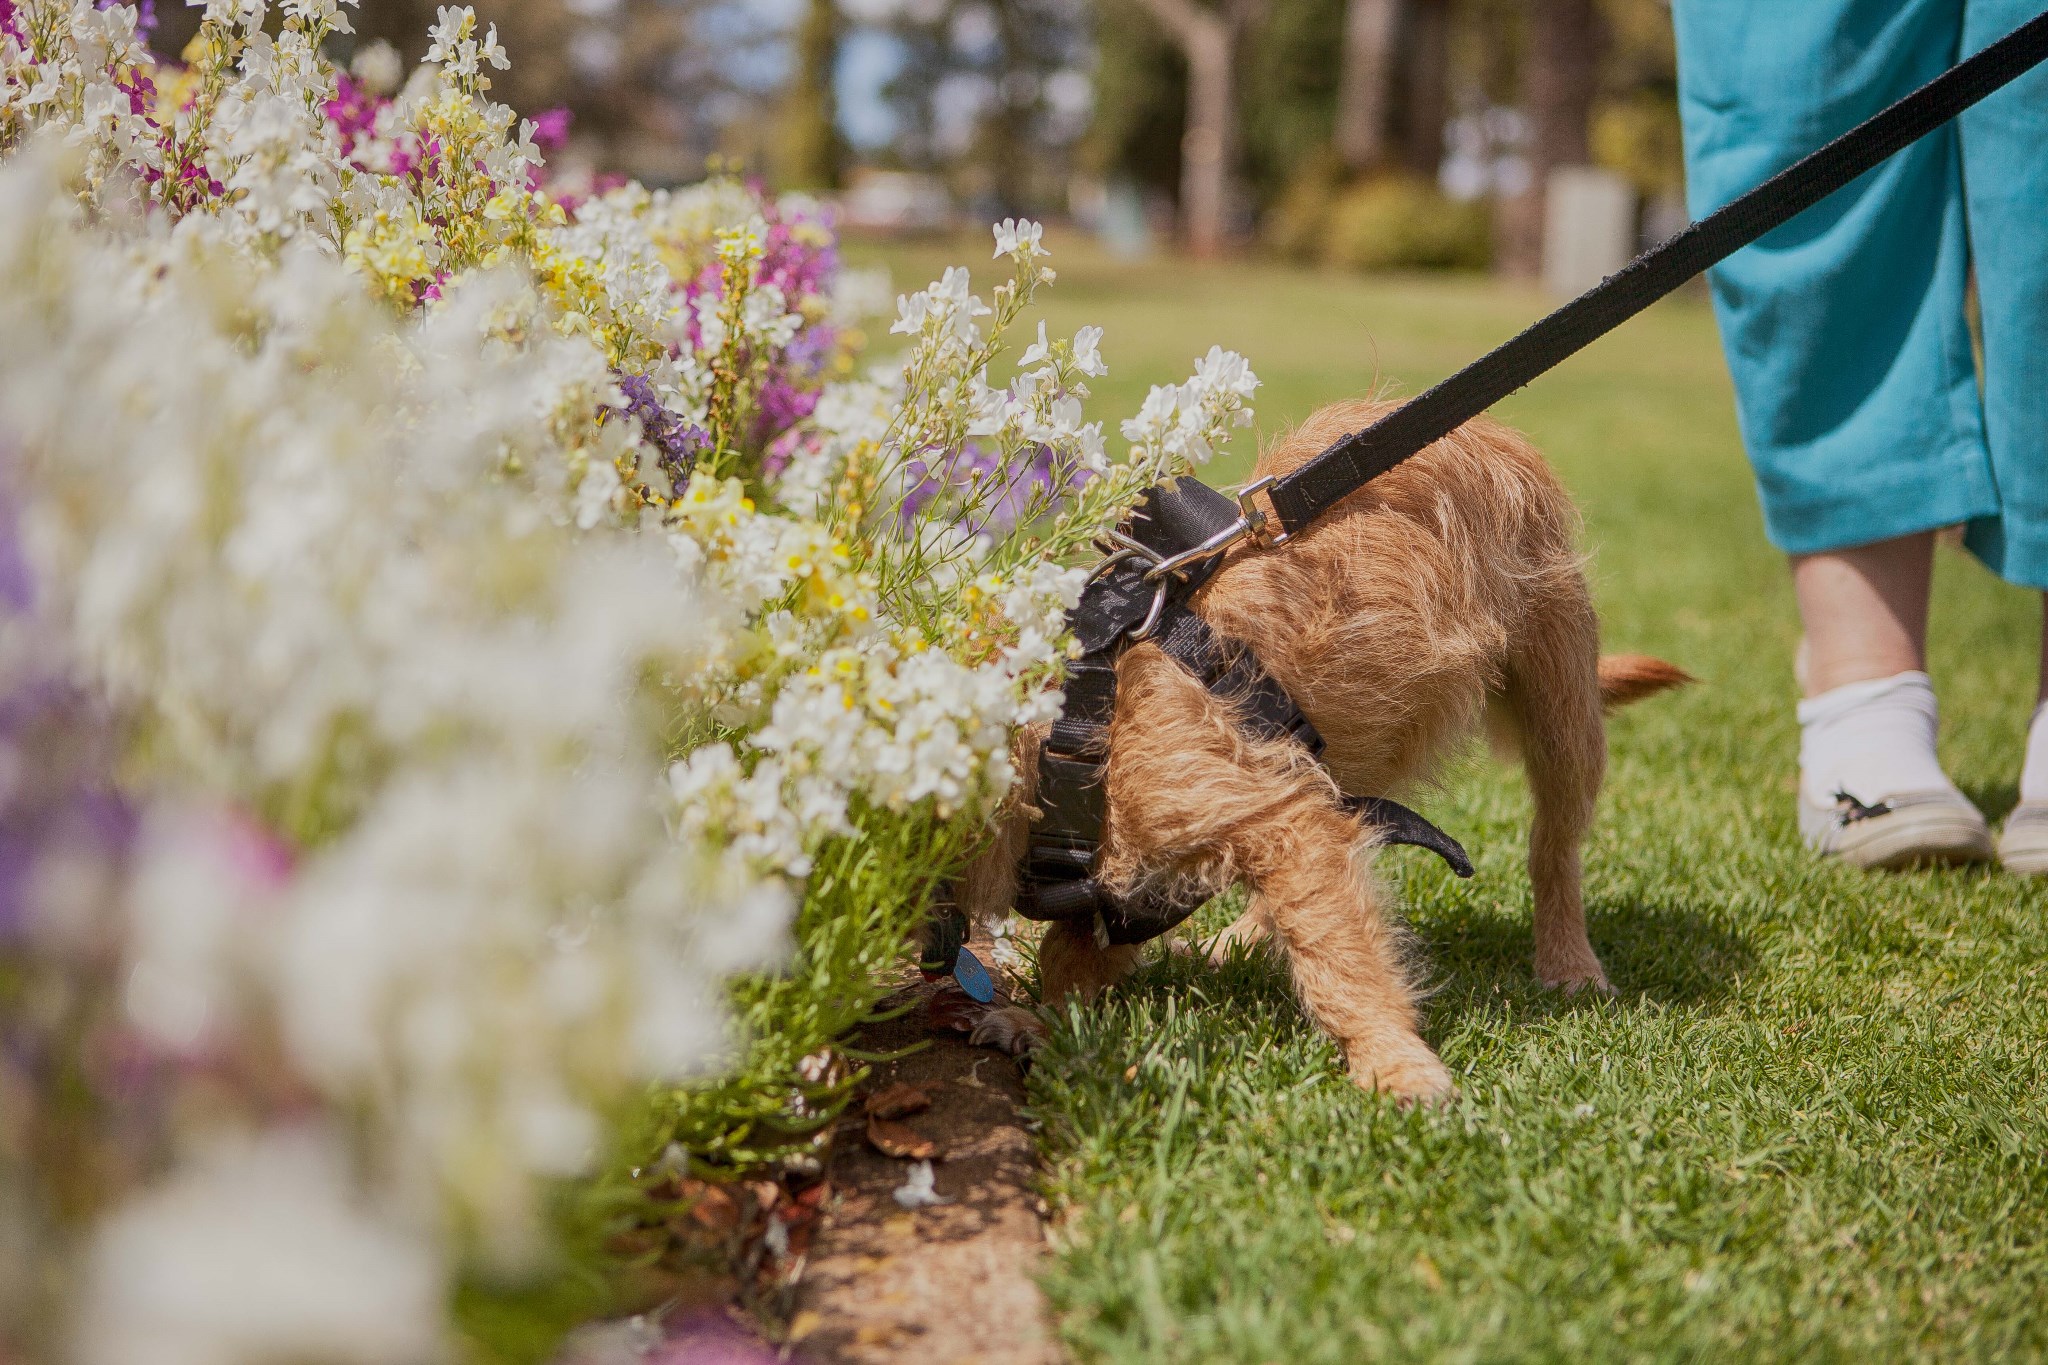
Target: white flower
[377,66]
[1020,239]
[919,1188]
[1088,352]
[261,1252]
[453,24]
[1037,351]
[1227,372]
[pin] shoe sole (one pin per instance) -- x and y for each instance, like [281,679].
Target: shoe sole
[2026,858]
[1911,838]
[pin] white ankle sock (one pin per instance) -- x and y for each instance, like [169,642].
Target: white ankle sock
[2034,776]
[1875,740]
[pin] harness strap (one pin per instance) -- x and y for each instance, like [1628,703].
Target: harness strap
[1058,880]
[1357,459]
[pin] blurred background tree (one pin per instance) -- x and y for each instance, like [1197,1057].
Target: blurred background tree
[1368,133]
[990,96]
[811,153]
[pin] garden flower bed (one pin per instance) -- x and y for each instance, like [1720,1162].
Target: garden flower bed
[490,674]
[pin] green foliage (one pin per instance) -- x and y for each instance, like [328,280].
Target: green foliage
[1638,138]
[867,894]
[1635,121]
[1403,223]
[1289,93]
[1141,93]
[1293,228]
[1287,97]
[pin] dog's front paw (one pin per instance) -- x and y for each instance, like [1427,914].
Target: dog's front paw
[1416,1078]
[1574,975]
[1013,1029]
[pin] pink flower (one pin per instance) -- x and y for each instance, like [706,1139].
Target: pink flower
[551,129]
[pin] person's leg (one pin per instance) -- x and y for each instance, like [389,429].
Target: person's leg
[1864,610]
[1855,384]
[1845,330]
[2023,843]
[2005,178]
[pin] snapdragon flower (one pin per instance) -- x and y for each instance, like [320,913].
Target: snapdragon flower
[513,595]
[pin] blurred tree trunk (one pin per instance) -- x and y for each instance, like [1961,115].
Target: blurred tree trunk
[1365,87]
[1005,136]
[1427,63]
[813,155]
[1560,72]
[1209,39]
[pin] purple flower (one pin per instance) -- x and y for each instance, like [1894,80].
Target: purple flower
[64,811]
[1006,493]
[352,112]
[677,441]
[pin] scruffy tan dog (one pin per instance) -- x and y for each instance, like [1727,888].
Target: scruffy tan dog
[1445,593]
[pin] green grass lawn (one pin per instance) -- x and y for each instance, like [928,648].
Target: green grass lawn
[1811,1126]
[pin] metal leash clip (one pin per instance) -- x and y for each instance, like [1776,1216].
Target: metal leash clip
[1257,520]
[1252,524]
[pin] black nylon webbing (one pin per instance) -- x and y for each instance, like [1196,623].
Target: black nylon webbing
[1357,459]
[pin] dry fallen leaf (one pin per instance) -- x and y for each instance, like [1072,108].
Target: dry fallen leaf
[714,1208]
[900,1140]
[896,1101]
[804,1323]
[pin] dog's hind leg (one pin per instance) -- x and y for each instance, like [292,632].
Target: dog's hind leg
[1249,930]
[1553,701]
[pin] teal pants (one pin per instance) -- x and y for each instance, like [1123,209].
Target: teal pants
[1847,330]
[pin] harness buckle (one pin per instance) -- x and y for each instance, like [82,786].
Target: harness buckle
[1152,614]
[1256,520]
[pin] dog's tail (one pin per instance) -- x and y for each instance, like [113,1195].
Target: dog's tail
[1626,678]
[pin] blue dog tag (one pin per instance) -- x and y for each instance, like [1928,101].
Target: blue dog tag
[973,977]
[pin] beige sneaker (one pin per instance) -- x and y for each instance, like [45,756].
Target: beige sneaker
[1902,831]
[2023,843]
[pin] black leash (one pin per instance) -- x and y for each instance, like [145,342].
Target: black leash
[1357,459]
[1176,536]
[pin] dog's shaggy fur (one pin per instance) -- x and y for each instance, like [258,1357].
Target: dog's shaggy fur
[1445,594]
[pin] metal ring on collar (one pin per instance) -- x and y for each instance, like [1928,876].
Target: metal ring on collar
[1118,557]
[1153,613]
[1127,548]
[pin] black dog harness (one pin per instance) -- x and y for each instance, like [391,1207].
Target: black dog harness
[1140,593]
[1175,537]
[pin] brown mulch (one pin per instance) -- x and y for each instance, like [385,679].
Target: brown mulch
[947,1283]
